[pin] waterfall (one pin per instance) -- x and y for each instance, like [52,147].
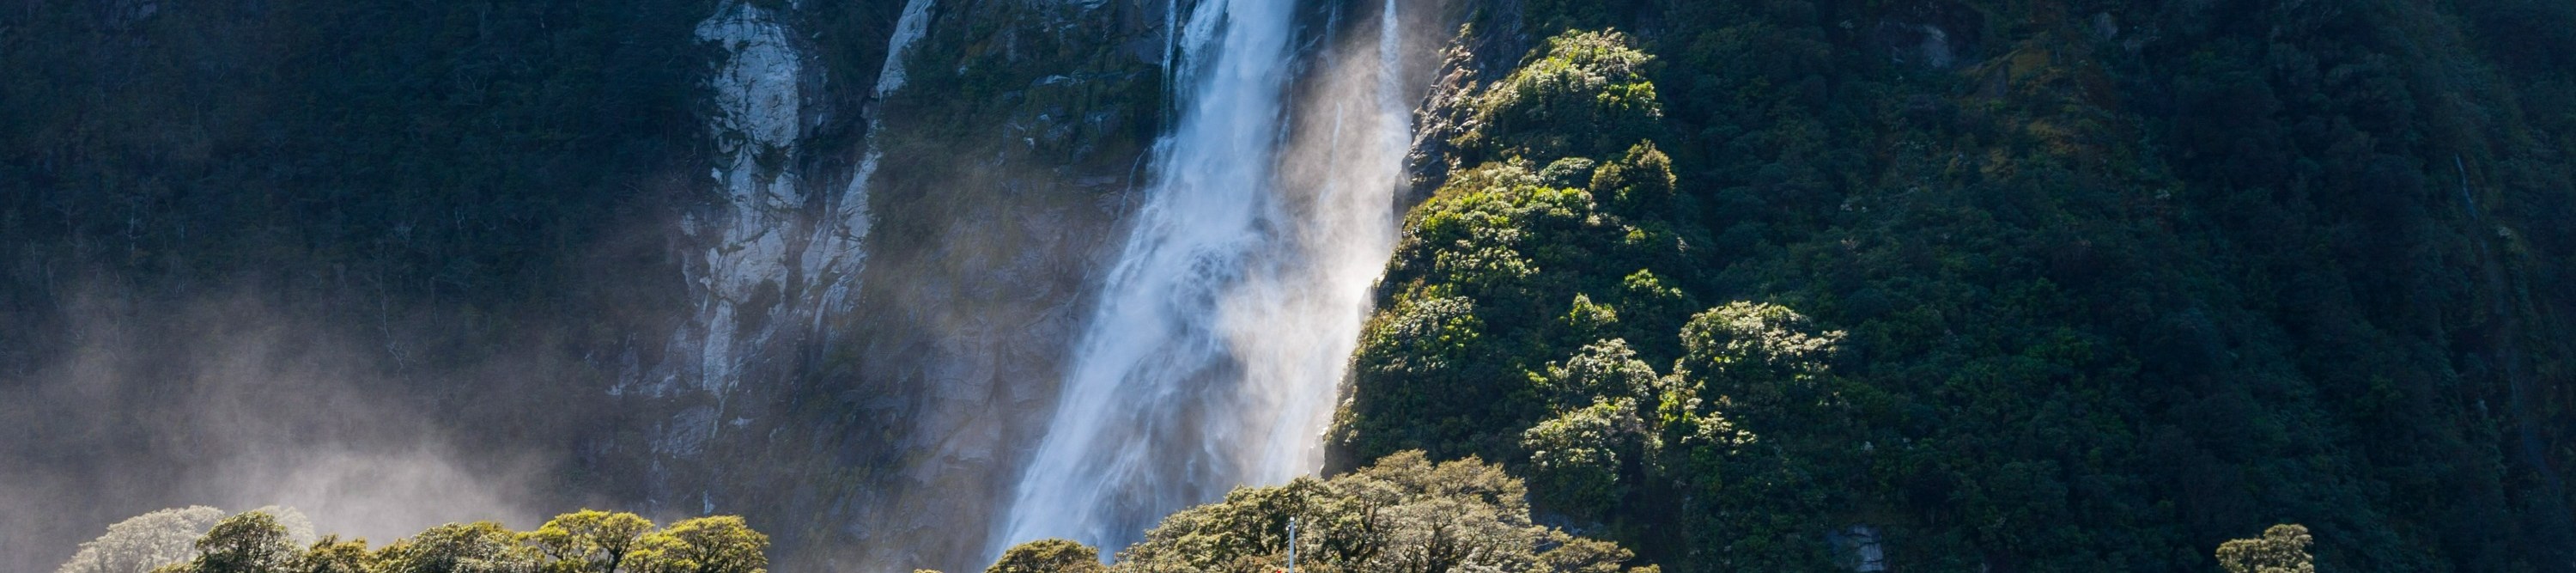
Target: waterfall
[1222,333]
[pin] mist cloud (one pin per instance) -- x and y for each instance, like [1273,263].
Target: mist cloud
[236,403]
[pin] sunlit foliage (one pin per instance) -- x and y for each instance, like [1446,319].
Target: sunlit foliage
[145,542]
[2282,549]
[1587,96]
[1402,514]
[1049,556]
[588,541]
[719,544]
[2018,286]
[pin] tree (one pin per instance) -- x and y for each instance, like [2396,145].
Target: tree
[1604,369]
[1404,514]
[586,541]
[1049,556]
[589,541]
[144,542]
[331,555]
[1587,97]
[479,547]
[1759,354]
[1576,457]
[299,529]
[2282,549]
[718,544]
[1641,182]
[252,542]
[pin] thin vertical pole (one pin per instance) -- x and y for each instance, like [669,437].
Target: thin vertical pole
[1292,545]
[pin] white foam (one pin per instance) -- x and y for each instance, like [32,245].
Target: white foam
[1214,356]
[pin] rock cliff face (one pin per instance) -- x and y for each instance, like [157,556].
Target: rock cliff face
[773,252]
[2154,269]
[861,418]
[995,180]
[1009,160]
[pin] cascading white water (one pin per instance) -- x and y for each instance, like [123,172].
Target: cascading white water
[1213,358]
[1296,326]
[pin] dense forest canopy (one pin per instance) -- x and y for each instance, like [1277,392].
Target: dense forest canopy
[2015,286]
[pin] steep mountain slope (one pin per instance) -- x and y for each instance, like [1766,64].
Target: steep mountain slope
[246,239]
[2041,285]
[1762,285]
[484,227]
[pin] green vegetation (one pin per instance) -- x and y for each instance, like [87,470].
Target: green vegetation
[1474,284]
[1402,514]
[140,543]
[2281,549]
[2018,286]
[1048,556]
[449,150]
[587,541]
[1588,96]
[2057,286]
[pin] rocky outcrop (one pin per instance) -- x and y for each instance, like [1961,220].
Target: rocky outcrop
[764,256]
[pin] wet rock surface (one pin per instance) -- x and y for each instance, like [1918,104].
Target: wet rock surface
[862,427]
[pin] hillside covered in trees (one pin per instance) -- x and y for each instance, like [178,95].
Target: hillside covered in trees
[1675,285]
[1999,286]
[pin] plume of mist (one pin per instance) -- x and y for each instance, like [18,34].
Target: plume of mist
[1122,448]
[299,529]
[1223,333]
[145,542]
[1341,176]
[230,403]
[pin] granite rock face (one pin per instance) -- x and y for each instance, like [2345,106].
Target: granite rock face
[974,178]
